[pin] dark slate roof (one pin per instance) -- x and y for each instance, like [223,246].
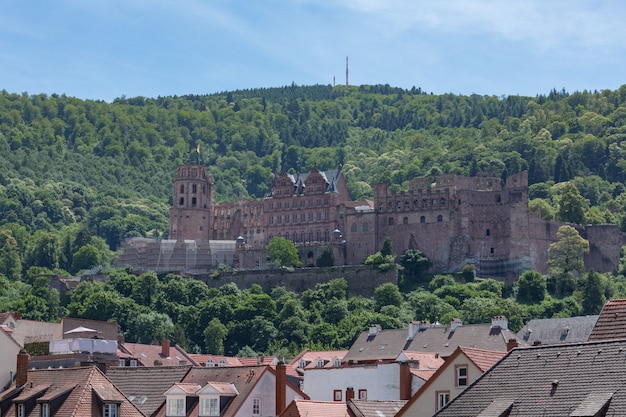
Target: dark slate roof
[558,330]
[612,321]
[367,408]
[579,379]
[331,178]
[387,344]
[145,385]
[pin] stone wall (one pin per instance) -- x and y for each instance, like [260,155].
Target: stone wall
[361,279]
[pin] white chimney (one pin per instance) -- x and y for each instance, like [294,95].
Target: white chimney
[455,323]
[414,327]
[500,321]
[374,329]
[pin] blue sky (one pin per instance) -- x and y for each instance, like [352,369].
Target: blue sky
[103,49]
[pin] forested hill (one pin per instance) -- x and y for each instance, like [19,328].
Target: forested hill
[83,169]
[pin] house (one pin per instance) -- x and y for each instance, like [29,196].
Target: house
[101,329]
[200,359]
[611,323]
[557,330]
[144,385]
[361,408]
[462,368]
[377,345]
[308,359]
[312,408]
[9,349]
[578,379]
[8,320]
[230,391]
[83,391]
[138,354]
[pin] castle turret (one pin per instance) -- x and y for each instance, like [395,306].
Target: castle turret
[191,212]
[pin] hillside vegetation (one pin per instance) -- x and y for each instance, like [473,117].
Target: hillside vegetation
[77,177]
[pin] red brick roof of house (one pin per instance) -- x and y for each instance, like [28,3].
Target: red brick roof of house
[201,359]
[612,321]
[156,355]
[483,359]
[369,408]
[70,392]
[311,408]
[259,360]
[310,358]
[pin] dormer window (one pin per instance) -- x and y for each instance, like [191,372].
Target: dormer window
[45,410]
[110,410]
[320,363]
[337,363]
[176,406]
[302,364]
[20,410]
[209,407]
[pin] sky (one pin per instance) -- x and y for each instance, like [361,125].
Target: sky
[105,49]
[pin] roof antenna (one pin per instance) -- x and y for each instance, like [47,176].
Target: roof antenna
[347,71]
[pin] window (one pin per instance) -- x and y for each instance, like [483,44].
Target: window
[391,221]
[193,201]
[337,363]
[121,362]
[443,397]
[182,188]
[110,410]
[405,220]
[209,407]
[461,375]
[176,407]
[181,201]
[362,394]
[365,227]
[20,412]
[194,188]
[45,410]
[320,363]
[423,219]
[133,362]
[337,395]
[488,232]
[353,228]
[440,218]
[256,406]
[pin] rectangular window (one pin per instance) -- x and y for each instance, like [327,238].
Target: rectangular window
[176,407]
[461,375]
[21,412]
[443,397]
[256,406]
[194,188]
[208,407]
[488,232]
[45,410]
[110,410]
[133,362]
[362,394]
[337,395]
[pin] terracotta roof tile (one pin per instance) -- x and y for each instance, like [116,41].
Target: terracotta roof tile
[150,355]
[201,360]
[311,408]
[612,321]
[368,408]
[483,359]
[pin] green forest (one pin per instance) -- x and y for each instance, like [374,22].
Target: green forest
[78,177]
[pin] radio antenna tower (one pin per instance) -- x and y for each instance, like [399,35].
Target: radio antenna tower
[347,71]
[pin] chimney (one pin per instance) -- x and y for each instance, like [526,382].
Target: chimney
[454,324]
[405,381]
[165,348]
[259,359]
[281,387]
[511,344]
[17,315]
[349,394]
[500,321]
[374,329]
[22,368]
[414,327]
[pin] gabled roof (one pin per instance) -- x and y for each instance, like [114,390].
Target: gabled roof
[424,360]
[558,330]
[258,360]
[145,385]
[612,321]
[368,408]
[79,391]
[483,359]
[148,355]
[579,379]
[244,378]
[311,408]
[311,357]
[388,344]
[201,359]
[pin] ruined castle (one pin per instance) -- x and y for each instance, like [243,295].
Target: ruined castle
[454,220]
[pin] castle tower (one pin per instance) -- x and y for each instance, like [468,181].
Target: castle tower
[192,206]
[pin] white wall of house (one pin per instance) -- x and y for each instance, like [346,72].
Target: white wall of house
[382,381]
[30,331]
[8,364]
[444,381]
[265,391]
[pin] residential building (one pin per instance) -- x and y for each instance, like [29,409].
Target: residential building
[83,391]
[557,330]
[139,354]
[9,350]
[232,391]
[462,368]
[577,379]
[309,359]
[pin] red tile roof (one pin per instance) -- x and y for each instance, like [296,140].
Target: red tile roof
[612,321]
[310,408]
[150,355]
[200,359]
[483,359]
[81,391]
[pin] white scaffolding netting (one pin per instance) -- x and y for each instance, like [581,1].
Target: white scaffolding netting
[222,251]
[165,253]
[191,250]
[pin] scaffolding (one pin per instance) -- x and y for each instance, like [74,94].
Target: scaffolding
[222,251]
[165,252]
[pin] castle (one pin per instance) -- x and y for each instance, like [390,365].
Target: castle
[454,220]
